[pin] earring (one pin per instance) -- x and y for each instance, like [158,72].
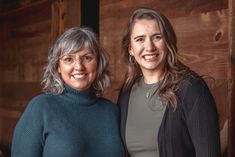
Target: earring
[132,59]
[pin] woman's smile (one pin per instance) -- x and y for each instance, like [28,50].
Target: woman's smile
[79,69]
[150,57]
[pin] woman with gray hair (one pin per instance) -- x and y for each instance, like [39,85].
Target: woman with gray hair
[71,119]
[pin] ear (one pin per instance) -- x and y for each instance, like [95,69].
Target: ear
[130,51]
[58,69]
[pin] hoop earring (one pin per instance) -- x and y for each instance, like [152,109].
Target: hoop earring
[132,59]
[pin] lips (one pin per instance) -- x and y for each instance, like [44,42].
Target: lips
[150,57]
[79,76]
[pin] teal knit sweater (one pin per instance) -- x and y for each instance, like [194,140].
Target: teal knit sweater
[73,124]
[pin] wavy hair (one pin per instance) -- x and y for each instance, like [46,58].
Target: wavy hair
[174,69]
[71,41]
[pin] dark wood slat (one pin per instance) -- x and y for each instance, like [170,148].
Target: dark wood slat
[231,78]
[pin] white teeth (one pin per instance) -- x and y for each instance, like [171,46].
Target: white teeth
[149,57]
[78,76]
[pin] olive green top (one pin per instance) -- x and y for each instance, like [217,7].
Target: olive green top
[145,113]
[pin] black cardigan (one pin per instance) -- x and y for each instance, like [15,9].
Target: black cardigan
[192,130]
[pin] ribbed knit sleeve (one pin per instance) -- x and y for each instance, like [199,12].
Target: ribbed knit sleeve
[202,119]
[27,139]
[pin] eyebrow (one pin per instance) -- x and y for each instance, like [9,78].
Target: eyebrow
[141,36]
[89,53]
[85,53]
[157,34]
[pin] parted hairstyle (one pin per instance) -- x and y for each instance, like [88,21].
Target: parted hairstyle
[71,41]
[174,69]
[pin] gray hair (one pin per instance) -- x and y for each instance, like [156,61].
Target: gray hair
[71,41]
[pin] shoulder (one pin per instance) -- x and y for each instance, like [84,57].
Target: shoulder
[193,89]
[42,97]
[194,92]
[123,97]
[108,104]
[34,109]
[39,102]
[192,83]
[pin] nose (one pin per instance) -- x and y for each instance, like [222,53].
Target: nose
[149,45]
[78,65]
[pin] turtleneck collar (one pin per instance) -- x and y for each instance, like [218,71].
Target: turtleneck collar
[83,98]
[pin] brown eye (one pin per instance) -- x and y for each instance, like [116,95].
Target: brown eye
[157,37]
[68,60]
[87,58]
[139,40]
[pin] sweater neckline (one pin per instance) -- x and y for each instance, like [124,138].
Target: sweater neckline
[142,84]
[82,98]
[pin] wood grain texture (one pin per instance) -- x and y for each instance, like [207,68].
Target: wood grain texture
[203,42]
[27,31]
[25,37]
[231,78]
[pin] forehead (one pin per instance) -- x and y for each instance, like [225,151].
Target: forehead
[74,48]
[145,26]
[80,52]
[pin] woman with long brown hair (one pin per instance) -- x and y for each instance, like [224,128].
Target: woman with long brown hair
[167,109]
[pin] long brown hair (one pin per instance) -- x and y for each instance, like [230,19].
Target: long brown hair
[174,69]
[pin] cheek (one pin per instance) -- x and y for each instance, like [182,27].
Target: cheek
[165,51]
[93,68]
[163,46]
[64,69]
[135,49]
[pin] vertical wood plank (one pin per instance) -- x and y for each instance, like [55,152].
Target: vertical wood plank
[57,20]
[231,78]
[72,17]
[65,14]
[25,36]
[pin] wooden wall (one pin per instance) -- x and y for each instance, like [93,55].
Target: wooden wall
[202,27]
[27,30]
[25,35]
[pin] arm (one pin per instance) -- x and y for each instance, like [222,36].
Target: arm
[122,102]
[27,138]
[202,120]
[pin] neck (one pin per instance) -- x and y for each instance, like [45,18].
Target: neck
[153,77]
[84,98]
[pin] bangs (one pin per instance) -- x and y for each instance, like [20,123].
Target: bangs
[75,45]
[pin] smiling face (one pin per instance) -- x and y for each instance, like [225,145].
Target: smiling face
[148,47]
[78,70]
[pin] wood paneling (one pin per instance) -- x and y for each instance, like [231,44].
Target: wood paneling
[65,14]
[203,40]
[25,38]
[27,31]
